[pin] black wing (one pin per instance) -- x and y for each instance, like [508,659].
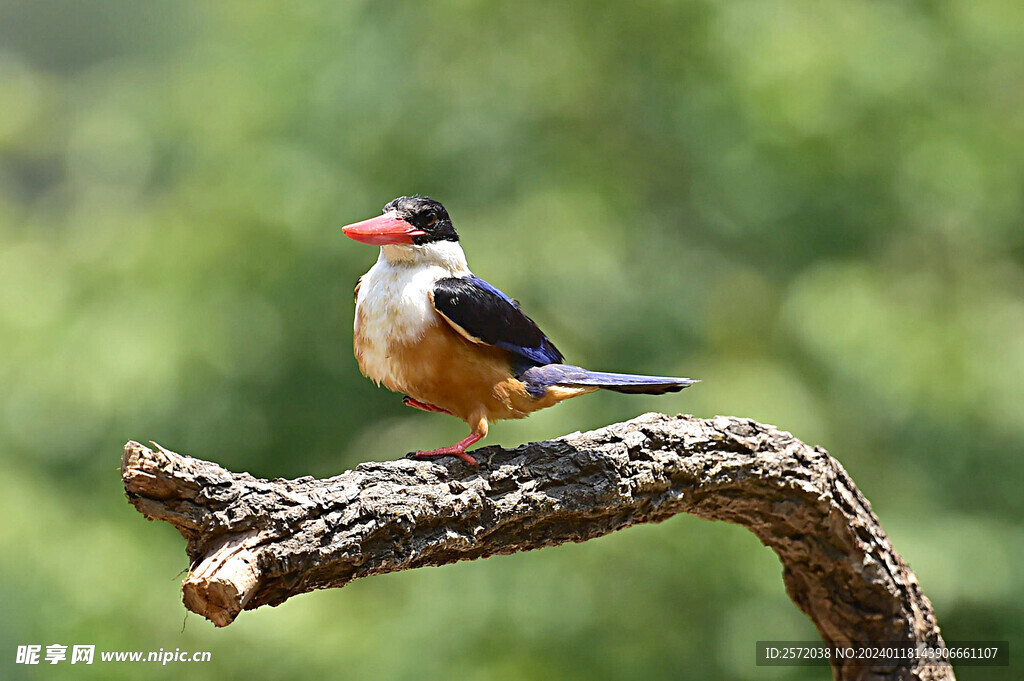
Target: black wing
[484,314]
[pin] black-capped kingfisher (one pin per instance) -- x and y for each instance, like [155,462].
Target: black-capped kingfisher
[426,326]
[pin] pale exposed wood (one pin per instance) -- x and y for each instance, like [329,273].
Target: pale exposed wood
[256,542]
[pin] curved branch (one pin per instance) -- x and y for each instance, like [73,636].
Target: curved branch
[256,542]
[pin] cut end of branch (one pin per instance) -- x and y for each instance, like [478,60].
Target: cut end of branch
[224,582]
[143,471]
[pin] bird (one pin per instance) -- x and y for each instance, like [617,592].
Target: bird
[429,328]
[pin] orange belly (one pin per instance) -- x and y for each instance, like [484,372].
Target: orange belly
[471,380]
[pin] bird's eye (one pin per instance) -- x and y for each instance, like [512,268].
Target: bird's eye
[430,220]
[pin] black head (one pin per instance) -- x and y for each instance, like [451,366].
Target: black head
[427,215]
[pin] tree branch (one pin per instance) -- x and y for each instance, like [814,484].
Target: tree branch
[256,542]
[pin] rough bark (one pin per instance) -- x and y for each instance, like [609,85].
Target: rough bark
[256,542]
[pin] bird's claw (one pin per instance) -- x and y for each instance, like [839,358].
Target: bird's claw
[423,406]
[446,451]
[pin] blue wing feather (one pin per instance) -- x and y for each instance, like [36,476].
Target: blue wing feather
[485,313]
[481,283]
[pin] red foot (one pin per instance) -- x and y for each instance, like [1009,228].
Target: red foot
[423,406]
[458,449]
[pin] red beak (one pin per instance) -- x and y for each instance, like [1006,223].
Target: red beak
[383,230]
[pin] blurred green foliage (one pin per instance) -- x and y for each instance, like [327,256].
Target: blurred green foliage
[813,207]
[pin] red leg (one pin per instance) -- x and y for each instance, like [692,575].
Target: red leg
[458,449]
[423,406]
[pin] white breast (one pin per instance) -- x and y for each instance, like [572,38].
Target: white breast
[393,305]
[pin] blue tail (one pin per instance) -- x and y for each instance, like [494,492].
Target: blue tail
[539,379]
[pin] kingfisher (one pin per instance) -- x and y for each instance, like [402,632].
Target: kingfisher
[426,326]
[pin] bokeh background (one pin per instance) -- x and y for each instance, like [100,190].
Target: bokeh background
[814,207]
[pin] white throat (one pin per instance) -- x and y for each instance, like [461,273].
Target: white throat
[447,255]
